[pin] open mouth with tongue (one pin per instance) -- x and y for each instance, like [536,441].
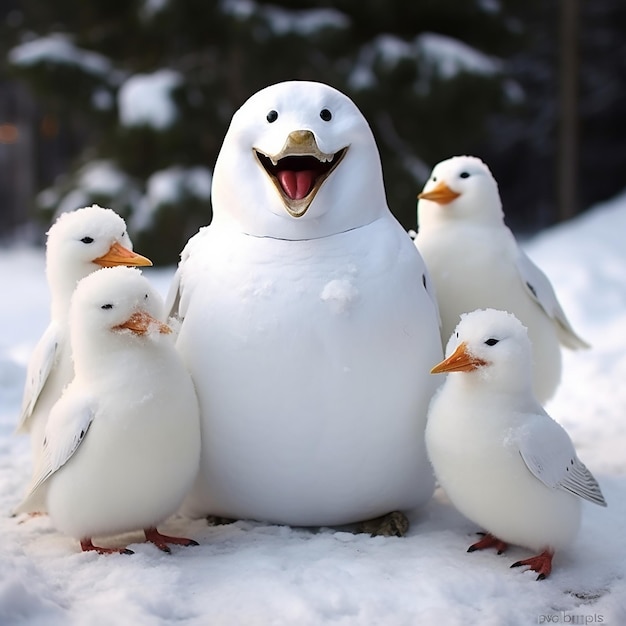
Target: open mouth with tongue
[299,170]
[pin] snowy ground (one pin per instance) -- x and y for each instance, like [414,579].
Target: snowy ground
[250,573]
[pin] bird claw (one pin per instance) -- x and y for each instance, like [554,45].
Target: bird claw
[542,564]
[394,524]
[161,541]
[87,546]
[488,541]
[217,520]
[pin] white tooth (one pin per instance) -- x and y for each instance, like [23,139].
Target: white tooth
[274,161]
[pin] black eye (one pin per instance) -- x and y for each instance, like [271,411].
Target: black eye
[87,239]
[491,342]
[326,115]
[464,175]
[145,297]
[106,306]
[272,116]
[434,179]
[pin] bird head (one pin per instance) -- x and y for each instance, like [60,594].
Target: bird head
[299,161]
[460,188]
[489,347]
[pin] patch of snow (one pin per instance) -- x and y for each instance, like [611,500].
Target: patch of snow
[145,99]
[340,294]
[169,186]
[436,54]
[303,22]
[59,48]
[241,9]
[103,177]
[449,56]
[151,7]
[490,6]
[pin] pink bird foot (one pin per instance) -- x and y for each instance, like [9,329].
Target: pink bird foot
[161,541]
[542,564]
[488,541]
[87,546]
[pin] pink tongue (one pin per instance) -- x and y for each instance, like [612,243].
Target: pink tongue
[296,185]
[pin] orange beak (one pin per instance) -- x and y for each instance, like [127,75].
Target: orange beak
[459,361]
[441,194]
[140,322]
[119,255]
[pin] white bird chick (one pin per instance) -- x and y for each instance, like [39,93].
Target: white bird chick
[122,445]
[501,459]
[476,263]
[79,243]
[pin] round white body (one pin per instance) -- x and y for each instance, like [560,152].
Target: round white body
[311,361]
[473,446]
[140,455]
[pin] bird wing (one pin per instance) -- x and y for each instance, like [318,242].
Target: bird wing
[550,456]
[172,302]
[430,290]
[67,427]
[173,299]
[39,367]
[540,290]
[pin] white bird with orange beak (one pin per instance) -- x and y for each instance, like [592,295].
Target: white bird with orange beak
[501,459]
[307,323]
[475,263]
[79,242]
[122,444]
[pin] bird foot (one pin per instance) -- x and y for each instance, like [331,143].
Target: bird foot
[31,516]
[217,520]
[394,524]
[488,541]
[542,564]
[161,541]
[87,546]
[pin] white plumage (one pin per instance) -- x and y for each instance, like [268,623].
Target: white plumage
[79,243]
[306,322]
[501,459]
[122,444]
[475,263]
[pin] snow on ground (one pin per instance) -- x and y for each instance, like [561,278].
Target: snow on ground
[252,573]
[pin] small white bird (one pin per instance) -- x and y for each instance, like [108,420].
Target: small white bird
[307,323]
[501,459]
[79,243]
[475,263]
[122,445]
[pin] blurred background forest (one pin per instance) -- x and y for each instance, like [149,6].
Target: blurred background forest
[125,102]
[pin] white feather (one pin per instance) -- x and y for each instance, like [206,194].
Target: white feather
[41,363]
